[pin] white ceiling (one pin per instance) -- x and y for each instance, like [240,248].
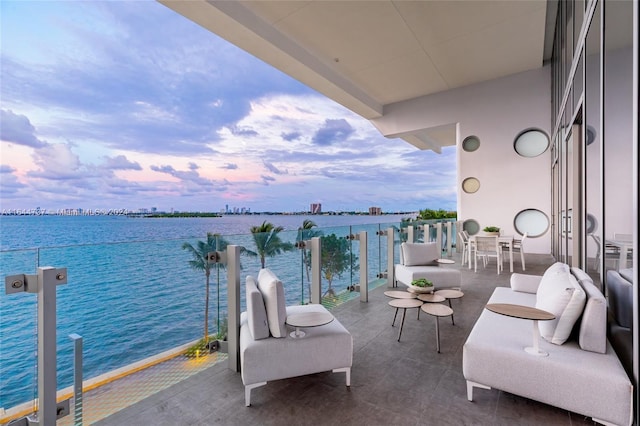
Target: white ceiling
[367,54]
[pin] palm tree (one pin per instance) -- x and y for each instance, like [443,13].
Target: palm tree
[336,259]
[214,242]
[306,232]
[268,242]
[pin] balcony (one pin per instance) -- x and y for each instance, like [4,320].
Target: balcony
[392,382]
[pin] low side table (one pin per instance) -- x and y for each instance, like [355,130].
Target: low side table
[437,310]
[525,312]
[403,304]
[307,319]
[397,294]
[450,294]
[445,261]
[430,298]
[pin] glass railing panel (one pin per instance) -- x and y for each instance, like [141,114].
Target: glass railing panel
[19,339]
[139,307]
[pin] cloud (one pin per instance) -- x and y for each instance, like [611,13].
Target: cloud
[191,180]
[242,132]
[291,136]
[333,130]
[6,169]
[121,162]
[18,129]
[274,169]
[193,166]
[57,162]
[229,166]
[267,179]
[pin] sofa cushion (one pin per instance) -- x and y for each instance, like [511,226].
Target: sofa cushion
[273,294]
[560,294]
[256,311]
[419,254]
[592,335]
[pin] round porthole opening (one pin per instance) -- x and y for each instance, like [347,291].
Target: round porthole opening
[470,185]
[531,143]
[471,226]
[471,143]
[532,221]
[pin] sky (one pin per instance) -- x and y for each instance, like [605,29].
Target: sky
[129,105]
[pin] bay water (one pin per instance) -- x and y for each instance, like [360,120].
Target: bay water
[131,293]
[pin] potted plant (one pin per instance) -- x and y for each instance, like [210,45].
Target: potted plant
[422,285]
[491,230]
[222,345]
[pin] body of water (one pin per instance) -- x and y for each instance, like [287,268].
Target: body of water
[131,293]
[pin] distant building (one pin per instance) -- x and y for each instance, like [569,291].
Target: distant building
[316,208]
[375,211]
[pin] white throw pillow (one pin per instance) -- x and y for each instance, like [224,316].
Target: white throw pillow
[560,294]
[273,294]
[256,311]
[419,254]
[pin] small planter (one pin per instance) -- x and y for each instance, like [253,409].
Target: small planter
[417,289]
[223,346]
[492,234]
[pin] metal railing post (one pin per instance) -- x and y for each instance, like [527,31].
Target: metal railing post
[391,275]
[43,284]
[426,238]
[77,379]
[364,271]
[449,237]
[316,270]
[233,306]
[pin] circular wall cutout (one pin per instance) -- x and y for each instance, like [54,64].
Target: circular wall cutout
[592,223]
[532,221]
[470,185]
[471,143]
[531,143]
[591,135]
[471,226]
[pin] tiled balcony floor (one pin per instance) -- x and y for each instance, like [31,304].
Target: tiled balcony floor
[392,382]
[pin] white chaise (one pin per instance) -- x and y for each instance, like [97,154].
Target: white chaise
[268,352]
[581,372]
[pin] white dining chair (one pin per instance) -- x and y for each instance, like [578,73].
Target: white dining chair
[486,247]
[466,248]
[518,245]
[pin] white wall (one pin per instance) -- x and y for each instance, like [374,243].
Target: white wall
[496,112]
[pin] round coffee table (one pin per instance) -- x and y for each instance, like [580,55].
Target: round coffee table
[437,310]
[450,294]
[403,304]
[307,319]
[446,261]
[397,294]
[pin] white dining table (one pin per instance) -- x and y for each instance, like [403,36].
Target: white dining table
[502,239]
[624,246]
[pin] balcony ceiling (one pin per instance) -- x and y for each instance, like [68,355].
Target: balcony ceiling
[368,54]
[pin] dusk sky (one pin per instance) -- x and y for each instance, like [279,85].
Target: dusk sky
[111,105]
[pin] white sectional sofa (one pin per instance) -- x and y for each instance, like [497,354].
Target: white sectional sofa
[268,352]
[581,373]
[418,260]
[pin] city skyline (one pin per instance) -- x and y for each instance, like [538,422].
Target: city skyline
[98,113]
